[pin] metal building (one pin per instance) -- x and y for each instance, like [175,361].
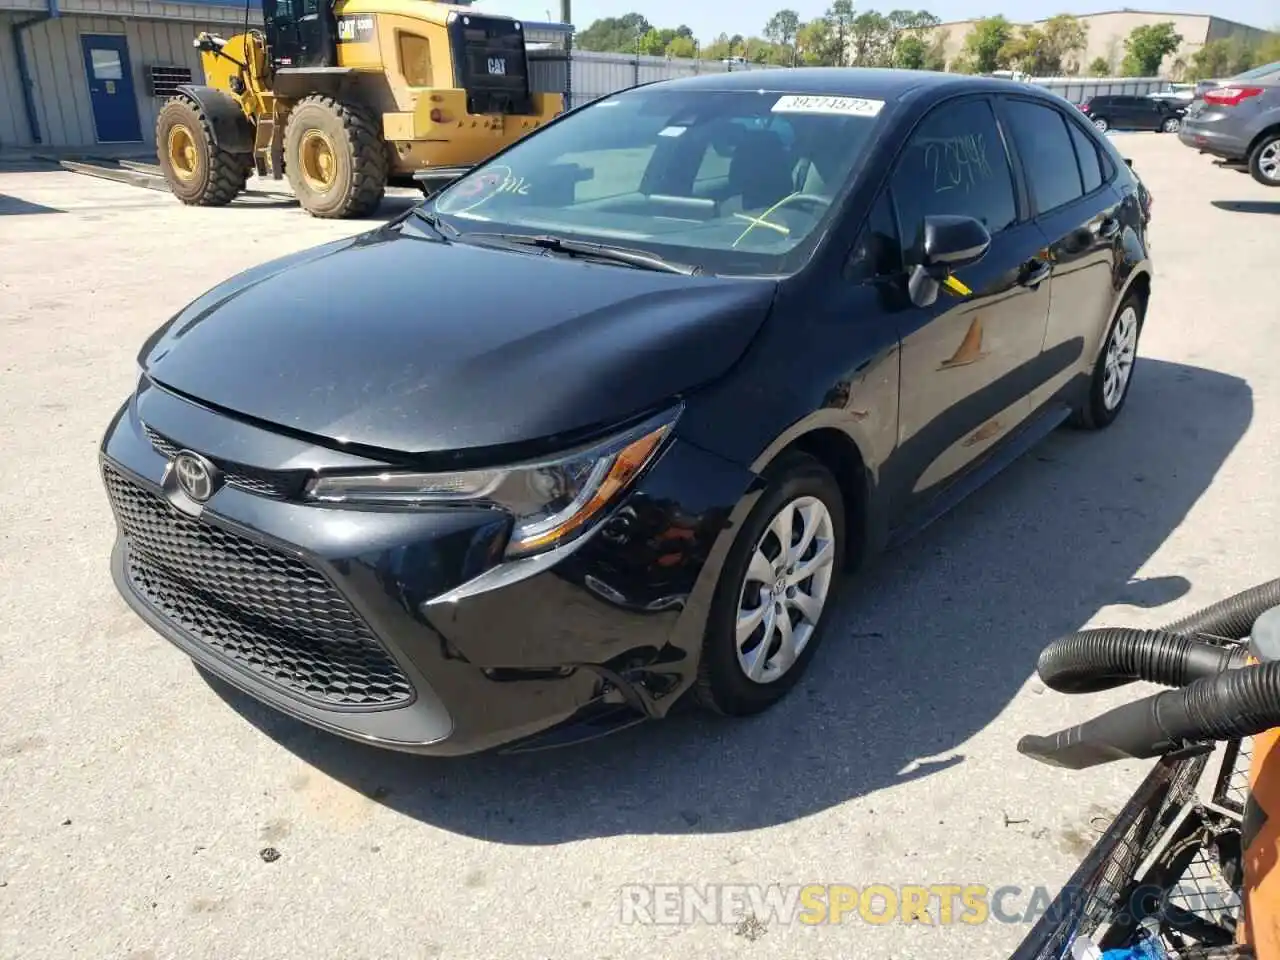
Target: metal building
[79,73]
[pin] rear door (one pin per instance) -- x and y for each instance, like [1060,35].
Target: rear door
[1078,211]
[968,361]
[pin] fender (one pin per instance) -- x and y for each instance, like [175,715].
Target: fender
[229,128]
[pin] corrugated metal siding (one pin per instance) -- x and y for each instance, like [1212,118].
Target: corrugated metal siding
[13,123]
[61,89]
[599,74]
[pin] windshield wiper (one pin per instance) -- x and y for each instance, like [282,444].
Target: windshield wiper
[599,251]
[433,221]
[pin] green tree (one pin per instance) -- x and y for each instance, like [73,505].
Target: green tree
[840,16]
[616,34]
[816,43]
[911,53]
[1098,67]
[782,27]
[869,36]
[685,48]
[984,45]
[1026,51]
[1065,38]
[651,44]
[1147,46]
[910,27]
[1225,58]
[1269,49]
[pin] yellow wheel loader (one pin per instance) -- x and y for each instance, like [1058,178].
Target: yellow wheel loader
[344,98]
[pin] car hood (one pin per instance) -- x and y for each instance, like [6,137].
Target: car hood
[394,341]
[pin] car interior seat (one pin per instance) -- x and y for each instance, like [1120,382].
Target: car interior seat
[760,173]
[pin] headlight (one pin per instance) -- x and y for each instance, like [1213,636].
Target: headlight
[551,501]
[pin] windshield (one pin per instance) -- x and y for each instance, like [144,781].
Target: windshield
[732,182]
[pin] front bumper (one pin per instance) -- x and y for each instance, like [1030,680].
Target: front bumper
[326,614]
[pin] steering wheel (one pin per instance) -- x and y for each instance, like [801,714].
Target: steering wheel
[812,198]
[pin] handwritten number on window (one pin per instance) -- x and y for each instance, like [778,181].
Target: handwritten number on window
[957,162]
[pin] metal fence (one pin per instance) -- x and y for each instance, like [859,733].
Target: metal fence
[595,75]
[588,75]
[1078,90]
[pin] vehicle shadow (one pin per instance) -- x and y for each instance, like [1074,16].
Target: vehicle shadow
[1248,206]
[928,647]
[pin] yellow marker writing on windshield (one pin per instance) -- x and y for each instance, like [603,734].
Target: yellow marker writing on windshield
[955,286]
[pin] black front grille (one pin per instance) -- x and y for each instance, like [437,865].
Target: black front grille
[262,609]
[278,484]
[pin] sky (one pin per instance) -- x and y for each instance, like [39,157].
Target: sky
[749,16]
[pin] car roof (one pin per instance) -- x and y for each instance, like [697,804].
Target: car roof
[872,82]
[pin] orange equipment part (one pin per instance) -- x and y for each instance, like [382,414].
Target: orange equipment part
[1260,922]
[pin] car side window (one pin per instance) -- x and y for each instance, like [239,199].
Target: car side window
[955,163]
[1048,156]
[878,252]
[1090,159]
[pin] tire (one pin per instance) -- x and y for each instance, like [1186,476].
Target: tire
[354,179]
[1171,125]
[1103,406]
[723,684]
[1101,124]
[1264,160]
[199,173]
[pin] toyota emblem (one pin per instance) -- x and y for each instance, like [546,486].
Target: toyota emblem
[194,475]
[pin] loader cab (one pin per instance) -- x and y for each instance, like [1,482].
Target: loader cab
[491,63]
[300,33]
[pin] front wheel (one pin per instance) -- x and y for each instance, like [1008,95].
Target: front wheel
[334,158]
[1113,372]
[771,604]
[1171,125]
[1264,160]
[197,170]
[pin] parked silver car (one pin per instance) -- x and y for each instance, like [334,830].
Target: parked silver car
[1240,123]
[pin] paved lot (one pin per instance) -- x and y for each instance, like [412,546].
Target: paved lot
[135,798]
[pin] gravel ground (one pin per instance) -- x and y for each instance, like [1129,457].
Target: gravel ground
[138,803]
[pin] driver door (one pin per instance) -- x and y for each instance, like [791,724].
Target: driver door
[969,360]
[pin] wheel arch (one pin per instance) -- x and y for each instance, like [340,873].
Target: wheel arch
[229,128]
[840,453]
[1271,129]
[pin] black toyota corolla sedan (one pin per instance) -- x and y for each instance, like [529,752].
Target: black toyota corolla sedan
[604,422]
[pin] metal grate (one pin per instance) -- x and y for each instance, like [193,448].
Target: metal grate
[266,483]
[1232,788]
[261,609]
[1101,884]
[163,80]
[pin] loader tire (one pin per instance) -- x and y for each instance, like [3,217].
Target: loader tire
[198,171]
[335,158]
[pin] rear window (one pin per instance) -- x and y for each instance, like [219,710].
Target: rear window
[736,182]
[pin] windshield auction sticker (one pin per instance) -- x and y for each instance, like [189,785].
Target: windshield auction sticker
[842,106]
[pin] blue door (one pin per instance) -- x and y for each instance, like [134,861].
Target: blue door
[115,108]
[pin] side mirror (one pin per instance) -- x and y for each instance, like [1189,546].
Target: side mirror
[947,243]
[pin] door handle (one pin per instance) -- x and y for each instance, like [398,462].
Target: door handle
[1109,228]
[1035,272]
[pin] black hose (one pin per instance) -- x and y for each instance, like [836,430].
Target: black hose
[1233,617]
[1232,705]
[1091,660]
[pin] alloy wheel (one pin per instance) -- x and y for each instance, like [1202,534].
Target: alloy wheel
[1171,125]
[787,583]
[1101,125]
[1269,161]
[1122,348]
